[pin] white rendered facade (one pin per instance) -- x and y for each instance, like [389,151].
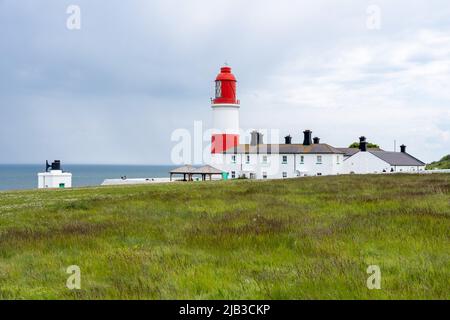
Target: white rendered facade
[408,169]
[278,166]
[54,179]
[366,162]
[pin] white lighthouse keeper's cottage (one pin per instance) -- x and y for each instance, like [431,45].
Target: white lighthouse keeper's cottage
[258,160]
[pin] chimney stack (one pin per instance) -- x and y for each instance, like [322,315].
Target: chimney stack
[307,141]
[362,143]
[288,139]
[256,138]
[316,140]
[403,148]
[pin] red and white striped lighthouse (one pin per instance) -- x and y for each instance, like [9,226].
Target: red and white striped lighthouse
[225,109]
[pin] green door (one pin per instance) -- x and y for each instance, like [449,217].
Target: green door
[62,185]
[225,175]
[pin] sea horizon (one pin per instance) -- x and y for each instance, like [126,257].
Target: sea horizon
[24,176]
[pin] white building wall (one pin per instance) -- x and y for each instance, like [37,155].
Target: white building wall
[272,166]
[54,179]
[365,162]
[319,164]
[408,168]
[331,164]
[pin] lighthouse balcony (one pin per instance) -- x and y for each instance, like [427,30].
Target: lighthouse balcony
[224,101]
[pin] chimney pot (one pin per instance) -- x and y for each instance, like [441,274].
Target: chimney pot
[288,139]
[362,143]
[316,140]
[307,134]
[403,148]
[256,138]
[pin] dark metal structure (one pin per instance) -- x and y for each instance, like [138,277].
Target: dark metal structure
[56,165]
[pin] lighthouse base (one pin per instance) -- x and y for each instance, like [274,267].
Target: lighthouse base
[224,141]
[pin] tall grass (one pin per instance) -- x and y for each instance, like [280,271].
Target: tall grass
[308,238]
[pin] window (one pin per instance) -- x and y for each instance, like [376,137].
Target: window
[247,160]
[302,159]
[319,173]
[218,89]
[319,159]
[233,159]
[252,176]
[284,159]
[284,174]
[233,174]
[264,174]
[264,159]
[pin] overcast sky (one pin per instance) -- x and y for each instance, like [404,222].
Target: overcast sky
[115,90]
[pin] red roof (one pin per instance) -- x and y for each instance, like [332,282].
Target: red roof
[225,74]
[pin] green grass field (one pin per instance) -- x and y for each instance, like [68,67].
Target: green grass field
[307,238]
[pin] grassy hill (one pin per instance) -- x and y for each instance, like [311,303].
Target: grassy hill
[444,163]
[307,238]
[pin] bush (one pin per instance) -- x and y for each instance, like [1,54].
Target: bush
[369,145]
[444,163]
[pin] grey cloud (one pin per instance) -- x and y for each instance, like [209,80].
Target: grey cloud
[137,70]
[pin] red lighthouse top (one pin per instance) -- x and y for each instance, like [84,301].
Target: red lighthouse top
[225,87]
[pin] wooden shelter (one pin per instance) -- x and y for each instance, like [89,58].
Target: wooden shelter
[189,171]
[208,171]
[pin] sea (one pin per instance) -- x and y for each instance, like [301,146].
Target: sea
[24,176]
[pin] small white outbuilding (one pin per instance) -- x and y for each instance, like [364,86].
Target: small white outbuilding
[55,177]
[374,160]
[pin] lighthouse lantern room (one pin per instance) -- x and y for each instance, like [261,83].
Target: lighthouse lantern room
[225,107]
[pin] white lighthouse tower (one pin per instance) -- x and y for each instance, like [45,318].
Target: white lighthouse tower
[225,108]
[55,177]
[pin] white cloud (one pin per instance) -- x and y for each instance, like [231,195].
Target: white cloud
[392,89]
